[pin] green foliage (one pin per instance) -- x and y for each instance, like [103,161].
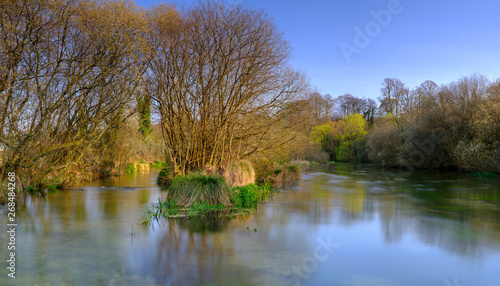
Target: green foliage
[198,188]
[144,110]
[142,161]
[165,176]
[130,168]
[337,137]
[250,195]
[247,196]
[320,133]
[360,149]
[355,126]
[345,151]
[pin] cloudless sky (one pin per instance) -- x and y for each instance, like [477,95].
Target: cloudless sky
[427,40]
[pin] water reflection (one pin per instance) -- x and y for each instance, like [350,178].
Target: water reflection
[392,228]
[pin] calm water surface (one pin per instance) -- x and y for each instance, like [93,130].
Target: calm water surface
[344,224]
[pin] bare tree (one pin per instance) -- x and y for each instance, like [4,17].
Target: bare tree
[392,93]
[349,104]
[69,67]
[219,79]
[370,111]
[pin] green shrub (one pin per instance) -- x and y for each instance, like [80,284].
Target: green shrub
[345,152]
[197,188]
[165,176]
[142,161]
[247,196]
[131,168]
[250,195]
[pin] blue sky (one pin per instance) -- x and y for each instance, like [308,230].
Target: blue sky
[437,40]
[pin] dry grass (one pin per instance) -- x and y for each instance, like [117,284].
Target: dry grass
[289,175]
[240,173]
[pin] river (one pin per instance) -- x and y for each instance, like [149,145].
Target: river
[345,224]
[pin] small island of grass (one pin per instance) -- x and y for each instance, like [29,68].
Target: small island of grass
[232,192]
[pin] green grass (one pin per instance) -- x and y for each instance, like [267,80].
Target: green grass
[197,188]
[250,195]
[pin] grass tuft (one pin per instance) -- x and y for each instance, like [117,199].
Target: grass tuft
[200,189]
[240,173]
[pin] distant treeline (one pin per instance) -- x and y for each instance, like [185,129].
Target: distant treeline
[453,126]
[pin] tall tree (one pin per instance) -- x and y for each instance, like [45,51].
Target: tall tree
[220,80]
[392,92]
